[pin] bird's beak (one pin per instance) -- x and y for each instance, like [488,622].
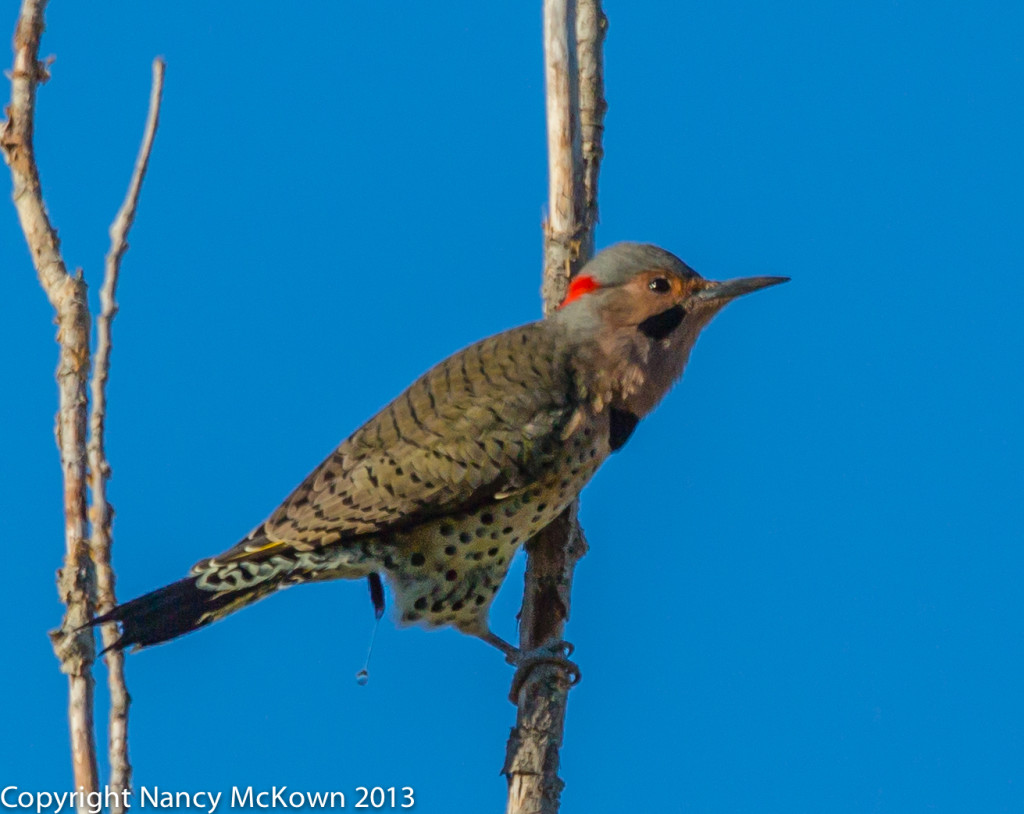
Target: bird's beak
[730,289]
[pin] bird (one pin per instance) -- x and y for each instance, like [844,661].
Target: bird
[437,491]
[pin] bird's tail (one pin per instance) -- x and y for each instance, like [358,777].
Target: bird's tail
[175,610]
[253,569]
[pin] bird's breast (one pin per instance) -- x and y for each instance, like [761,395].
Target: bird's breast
[446,571]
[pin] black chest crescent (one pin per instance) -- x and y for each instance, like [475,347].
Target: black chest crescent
[621,426]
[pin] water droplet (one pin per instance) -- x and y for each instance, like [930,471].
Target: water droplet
[362,678]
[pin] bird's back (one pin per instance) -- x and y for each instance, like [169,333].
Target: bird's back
[439,488]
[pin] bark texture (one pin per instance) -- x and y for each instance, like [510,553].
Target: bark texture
[573,40]
[67,294]
[86,577]
[101,512]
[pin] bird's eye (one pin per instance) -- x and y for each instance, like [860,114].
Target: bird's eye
[660,285]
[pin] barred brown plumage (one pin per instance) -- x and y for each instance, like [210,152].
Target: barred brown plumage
[440,488]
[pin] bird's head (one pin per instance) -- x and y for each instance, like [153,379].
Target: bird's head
[643,308]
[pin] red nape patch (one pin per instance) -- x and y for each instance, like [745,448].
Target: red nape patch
[581,284]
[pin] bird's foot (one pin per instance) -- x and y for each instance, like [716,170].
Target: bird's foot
[555,652]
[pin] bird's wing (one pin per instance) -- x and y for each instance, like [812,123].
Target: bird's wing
[482,423]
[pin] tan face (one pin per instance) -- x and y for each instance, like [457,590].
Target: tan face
[659,283]
[648,294]
[649,324]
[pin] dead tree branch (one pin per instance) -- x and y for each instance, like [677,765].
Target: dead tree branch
[80,583]
[67,294]
[573,39]
[101,513]
[565,156]
[591,25]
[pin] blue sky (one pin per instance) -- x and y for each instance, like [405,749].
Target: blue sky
[803,591]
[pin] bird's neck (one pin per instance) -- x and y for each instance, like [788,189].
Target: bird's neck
[628,371]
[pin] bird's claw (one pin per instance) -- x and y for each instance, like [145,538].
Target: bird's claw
[555,652]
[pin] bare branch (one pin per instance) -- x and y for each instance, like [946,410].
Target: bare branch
[591,26]
[67,294]
[126,214]
[28,73]
[101,513]
[573,39]
[532,752]
[565,181]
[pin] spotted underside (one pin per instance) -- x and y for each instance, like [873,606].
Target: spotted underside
[437,491]
[448,571]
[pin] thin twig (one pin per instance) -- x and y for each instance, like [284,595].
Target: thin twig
[573,39]
[101,513]
[67,294]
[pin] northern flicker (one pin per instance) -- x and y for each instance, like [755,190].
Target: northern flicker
[439,489]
